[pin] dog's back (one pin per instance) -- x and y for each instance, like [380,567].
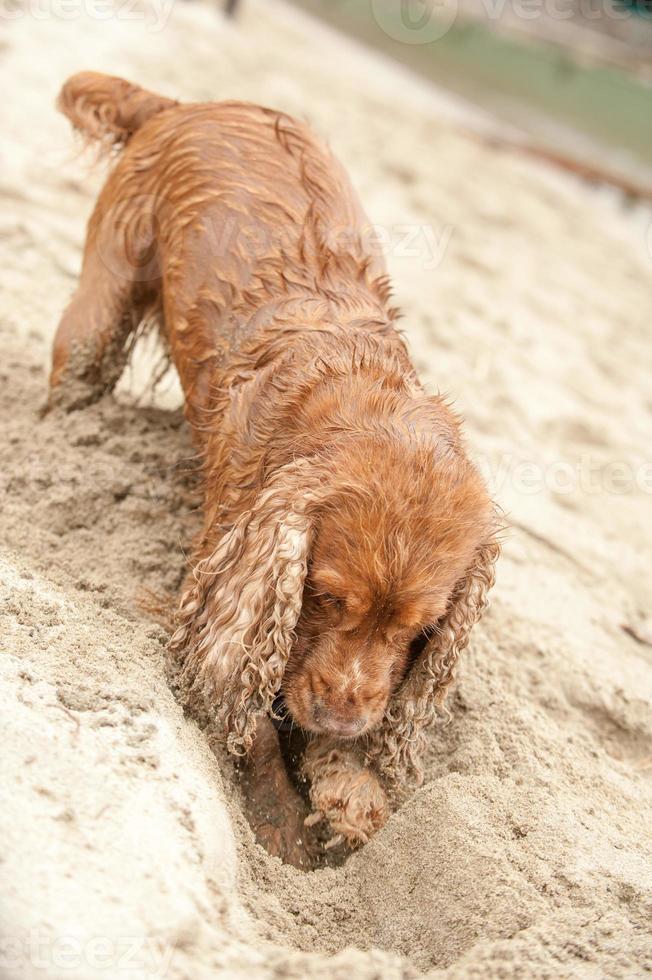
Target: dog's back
[213,213]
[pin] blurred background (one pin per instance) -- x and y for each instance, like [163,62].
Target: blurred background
[574,76]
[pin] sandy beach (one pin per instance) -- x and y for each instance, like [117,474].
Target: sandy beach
[526,295]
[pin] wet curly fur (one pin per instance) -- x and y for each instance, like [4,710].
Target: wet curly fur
[235,230]
[344,791]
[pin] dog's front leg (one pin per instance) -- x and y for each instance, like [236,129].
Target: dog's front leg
[274,809]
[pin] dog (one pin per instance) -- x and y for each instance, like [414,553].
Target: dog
[348,544]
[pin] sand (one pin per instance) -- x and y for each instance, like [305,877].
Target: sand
[123,850]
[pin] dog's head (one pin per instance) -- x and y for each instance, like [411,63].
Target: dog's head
[389,546]
[356,572]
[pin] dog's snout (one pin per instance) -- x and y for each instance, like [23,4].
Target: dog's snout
[338,720]
[347,729]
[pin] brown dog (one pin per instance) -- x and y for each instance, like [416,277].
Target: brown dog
[348,543]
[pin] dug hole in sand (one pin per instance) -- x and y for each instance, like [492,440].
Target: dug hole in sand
[527,297]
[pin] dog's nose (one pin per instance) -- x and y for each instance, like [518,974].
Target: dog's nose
[337,722]
[347,729]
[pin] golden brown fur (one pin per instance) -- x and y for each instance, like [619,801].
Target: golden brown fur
[348,543]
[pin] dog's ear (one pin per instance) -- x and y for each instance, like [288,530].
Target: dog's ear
[236,620]
[398,744]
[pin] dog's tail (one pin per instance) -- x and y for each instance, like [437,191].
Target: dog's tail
[108,109]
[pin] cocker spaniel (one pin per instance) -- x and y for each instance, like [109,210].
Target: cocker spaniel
[348,543]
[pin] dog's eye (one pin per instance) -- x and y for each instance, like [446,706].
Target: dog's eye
[331,601]
[419,643]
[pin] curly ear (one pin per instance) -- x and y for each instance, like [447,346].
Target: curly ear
[398,744]
[236,620]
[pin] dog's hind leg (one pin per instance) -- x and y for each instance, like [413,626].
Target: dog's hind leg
[91,346]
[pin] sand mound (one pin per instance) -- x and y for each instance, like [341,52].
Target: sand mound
[123,851]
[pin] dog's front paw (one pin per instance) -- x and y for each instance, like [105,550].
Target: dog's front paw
[351,800]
